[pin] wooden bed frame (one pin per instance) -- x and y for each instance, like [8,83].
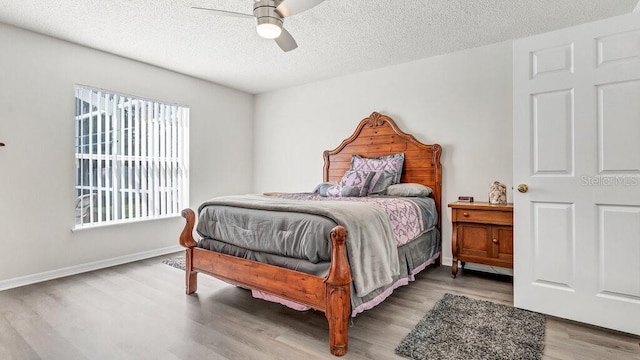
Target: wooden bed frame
[376,135]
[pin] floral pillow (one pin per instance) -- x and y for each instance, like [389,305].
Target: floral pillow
[353,184]
[384,167]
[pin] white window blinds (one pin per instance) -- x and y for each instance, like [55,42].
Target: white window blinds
[131,158]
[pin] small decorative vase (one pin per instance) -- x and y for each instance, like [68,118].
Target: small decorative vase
[497,193]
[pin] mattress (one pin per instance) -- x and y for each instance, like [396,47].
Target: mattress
[303,234]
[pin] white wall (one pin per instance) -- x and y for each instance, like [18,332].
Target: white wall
[463,101]
[273,142]
[37,78]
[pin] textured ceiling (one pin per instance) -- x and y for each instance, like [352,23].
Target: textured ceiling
[337,37]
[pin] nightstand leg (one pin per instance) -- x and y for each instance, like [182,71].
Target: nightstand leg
[454,251]
[454,268]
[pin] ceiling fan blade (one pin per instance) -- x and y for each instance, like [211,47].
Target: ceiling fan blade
[286,41]
[292,7]
[224,12]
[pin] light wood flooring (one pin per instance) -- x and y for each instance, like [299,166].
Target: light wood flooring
[140,311]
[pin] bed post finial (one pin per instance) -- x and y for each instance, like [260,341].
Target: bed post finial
[338,292]
[186,237]
[437,150]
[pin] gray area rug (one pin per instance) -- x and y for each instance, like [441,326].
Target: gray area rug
[462,328]
[177,262]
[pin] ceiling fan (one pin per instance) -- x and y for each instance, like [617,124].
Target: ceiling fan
[270,15]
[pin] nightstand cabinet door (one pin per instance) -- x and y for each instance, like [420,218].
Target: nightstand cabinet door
[475,240]
[502,239]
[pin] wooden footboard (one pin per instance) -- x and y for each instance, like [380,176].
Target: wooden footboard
[330,295]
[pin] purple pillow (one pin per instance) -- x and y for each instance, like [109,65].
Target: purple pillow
[353,183]
[321,189]
[346,191]
[356,178]
[383,167]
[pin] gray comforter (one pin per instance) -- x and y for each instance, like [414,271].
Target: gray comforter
[371,247]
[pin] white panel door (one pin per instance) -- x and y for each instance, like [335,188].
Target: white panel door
[577,147]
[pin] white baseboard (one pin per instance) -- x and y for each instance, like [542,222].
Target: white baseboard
[479,267]
[77,269]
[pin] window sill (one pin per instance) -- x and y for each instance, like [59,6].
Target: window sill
[84,227]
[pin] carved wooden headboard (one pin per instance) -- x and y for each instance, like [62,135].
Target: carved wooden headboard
[377,135]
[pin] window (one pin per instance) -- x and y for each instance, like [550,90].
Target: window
[131,158]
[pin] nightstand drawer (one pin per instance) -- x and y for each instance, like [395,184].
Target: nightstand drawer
[483,216]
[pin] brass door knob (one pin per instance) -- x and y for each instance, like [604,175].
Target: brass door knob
[523,188]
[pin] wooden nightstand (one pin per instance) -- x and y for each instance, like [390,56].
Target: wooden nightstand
[482,233]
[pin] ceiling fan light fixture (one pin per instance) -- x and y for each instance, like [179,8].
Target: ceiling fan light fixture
[269,15]
[268,30]
[269,21]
